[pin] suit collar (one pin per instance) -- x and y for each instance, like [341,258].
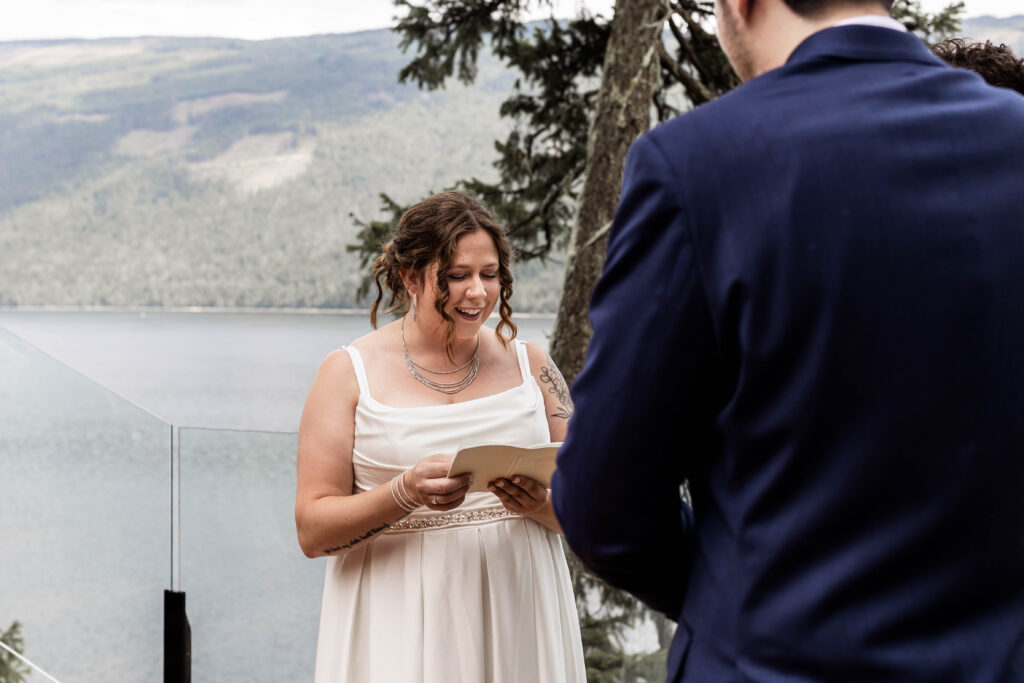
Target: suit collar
[862,43]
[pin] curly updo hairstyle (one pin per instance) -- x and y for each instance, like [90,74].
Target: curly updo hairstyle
[427,234]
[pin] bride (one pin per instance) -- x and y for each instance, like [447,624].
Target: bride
[424,581]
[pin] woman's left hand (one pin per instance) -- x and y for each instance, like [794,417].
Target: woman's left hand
[520,494]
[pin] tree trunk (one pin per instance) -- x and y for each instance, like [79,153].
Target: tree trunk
[629,78]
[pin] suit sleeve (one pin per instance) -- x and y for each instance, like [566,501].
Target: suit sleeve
[642,399]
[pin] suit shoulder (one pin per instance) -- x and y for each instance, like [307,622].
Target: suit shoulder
[703,128]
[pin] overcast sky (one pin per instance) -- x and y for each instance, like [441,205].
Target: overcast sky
[260,19]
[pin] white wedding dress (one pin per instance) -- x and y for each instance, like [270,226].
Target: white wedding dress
[474,595]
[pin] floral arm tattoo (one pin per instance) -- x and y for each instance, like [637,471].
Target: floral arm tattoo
[549,374]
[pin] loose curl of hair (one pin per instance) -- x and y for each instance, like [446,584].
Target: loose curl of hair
[427,234]
[996,64]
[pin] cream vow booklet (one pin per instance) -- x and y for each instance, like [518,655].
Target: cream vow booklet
[492,461]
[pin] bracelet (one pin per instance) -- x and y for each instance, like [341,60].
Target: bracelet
[400,495]
[405,492]
[396,496]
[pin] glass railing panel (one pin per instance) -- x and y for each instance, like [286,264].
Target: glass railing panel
[84,518]
[253,598]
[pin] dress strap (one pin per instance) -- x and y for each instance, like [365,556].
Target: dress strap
[524,360]
[357,364]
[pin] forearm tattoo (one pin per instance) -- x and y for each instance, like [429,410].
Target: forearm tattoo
[549,374]
[356,541]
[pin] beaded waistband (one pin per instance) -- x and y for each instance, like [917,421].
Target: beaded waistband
[451,519]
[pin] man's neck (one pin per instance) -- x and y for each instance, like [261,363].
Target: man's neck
[779,30]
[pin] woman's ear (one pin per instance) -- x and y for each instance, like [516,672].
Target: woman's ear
[410,279]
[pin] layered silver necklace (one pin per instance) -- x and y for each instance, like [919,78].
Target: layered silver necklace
[444,387]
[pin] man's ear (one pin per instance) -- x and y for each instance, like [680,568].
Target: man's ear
[738,9]
[743,8]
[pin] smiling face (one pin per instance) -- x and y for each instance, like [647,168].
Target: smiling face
[473,286]
[472,280]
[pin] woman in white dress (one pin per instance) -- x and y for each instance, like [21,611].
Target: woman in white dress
[426,582]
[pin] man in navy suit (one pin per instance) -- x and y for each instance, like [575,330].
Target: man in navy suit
[813,310]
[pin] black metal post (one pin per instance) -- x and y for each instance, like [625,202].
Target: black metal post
[177,639]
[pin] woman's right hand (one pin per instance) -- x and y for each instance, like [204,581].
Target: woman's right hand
[429,484]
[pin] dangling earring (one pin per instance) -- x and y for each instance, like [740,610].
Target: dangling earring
[414,307]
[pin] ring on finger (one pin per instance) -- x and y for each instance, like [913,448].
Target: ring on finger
[433,499]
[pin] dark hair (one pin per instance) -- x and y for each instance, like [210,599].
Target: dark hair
[997,65]
[815,8]
[428,233]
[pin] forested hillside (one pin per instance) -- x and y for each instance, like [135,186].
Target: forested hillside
[211,172]
[164,171]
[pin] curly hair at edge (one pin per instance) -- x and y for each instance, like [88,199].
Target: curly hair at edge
[428,233]
[996,64]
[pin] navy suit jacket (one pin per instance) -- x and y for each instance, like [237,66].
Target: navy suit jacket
[812,308]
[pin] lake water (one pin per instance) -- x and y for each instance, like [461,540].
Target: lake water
[87,401]
[223,370]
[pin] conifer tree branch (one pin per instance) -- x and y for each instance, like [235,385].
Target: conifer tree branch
[685,44]
[559,190]
[697,93]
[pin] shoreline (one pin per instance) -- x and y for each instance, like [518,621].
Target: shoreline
[247,310]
